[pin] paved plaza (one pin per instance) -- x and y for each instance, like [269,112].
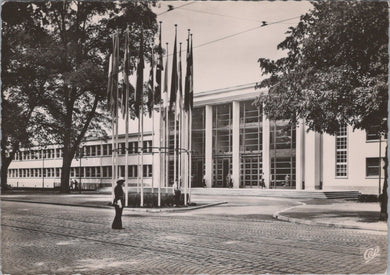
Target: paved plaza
[236,237]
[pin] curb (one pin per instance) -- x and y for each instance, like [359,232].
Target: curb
[150,210]
[278,216]
[181,209]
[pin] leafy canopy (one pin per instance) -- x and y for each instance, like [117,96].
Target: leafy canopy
[336,68]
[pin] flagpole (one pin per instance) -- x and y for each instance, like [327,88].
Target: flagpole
[166,144]
[179,120]
[151,77]
[127,120]
[138,153]
[190,124]
[142,155]
[160,117]
[159,154]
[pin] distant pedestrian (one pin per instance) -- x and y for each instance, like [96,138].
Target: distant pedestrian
[229,180]
[287,180]
[262,183]
[204,180]
[75,183]
[119,202]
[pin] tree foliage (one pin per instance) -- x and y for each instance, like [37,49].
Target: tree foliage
[336,68]
[335,72]
[69,59]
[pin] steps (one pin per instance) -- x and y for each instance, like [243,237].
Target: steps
[300,194]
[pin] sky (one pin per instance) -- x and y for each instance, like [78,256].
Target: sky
[229,61]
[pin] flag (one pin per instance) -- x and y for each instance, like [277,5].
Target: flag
[159,69]
[187,78]
[126,68]
[192,77]
[174,76]
[151,87]
[165,91]
[179,99]
[140,79]
[112,89]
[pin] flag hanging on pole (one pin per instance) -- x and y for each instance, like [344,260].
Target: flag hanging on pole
[150,103]
[165,90]
[174,74]
[187,83]
[159,69]
[191,92]
[179,99]
[140,79]
[125,74]
[112,88]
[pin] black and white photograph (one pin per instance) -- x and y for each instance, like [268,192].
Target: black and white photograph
[194,137]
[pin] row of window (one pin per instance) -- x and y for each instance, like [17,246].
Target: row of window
[87,151]
[341,152]
[84,172]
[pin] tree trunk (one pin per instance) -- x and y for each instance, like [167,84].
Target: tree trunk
[65,175]
[5,162]
[383,197]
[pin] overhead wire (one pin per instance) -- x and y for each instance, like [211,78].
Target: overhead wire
[171,8]
[244,31]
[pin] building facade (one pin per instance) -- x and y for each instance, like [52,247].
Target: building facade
[230,136]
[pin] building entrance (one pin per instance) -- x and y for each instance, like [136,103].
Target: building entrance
[222,167]
[197,172]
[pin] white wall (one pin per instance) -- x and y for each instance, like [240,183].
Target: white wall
[358,151]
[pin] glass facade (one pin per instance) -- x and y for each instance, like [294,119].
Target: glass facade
[222,144]
[251,145]
[198,146]
[282,154]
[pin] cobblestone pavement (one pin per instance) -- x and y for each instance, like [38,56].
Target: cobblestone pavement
[50,239]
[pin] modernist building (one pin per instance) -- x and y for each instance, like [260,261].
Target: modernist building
[229,135]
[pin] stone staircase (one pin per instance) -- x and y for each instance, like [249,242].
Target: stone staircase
[281,193]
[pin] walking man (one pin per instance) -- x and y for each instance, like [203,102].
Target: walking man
[119,202]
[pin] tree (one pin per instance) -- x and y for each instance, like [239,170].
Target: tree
[24,76]
[335,72]
[73,106]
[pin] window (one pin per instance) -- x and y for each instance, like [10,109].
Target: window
[93,150]
[147,170]
[122,149]
[93,172]
[373,166]
[98,172]
[372,133]
[133,147]
[133,171]
[341,152]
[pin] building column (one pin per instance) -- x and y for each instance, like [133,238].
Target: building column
[266,151]
[300,156]
[312,156]
[236,145]
[209,145]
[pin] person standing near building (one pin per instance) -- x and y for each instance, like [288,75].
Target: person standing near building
[119,202]
[262,183]
[204,180]
[287,180]
[229,180]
